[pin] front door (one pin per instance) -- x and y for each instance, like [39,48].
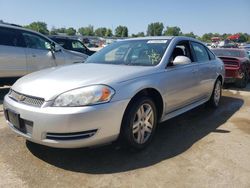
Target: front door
[39,55]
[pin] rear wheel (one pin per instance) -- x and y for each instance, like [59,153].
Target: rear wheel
[139,123]
[242,83]
[216,95]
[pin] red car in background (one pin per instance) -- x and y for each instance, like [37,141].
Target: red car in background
[237,65]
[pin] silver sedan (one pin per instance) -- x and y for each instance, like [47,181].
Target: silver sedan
[123,91]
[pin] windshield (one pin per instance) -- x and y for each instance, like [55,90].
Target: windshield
[230,53]
[132,52]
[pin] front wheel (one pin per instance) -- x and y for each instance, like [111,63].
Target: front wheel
[139,123]
[216,95]
[242,83]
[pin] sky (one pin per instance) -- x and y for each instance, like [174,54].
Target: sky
[198,16]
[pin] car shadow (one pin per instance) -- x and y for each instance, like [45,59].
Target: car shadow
[172,138]
[233,87]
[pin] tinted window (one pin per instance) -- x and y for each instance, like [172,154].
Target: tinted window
[36,42]
[10,37]
[77,45]
[200,52]
[61,42]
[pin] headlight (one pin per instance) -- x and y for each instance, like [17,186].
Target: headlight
[90,95]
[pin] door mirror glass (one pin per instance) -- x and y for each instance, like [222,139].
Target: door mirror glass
[181,60]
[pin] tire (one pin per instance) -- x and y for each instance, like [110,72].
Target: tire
[216,95]
[242,83]
[137,128]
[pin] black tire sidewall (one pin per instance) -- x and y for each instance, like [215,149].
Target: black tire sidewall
[127,123]
[211,101]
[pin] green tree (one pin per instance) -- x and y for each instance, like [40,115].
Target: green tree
[101,32]
[207,37]
[140,34]
[191,34]
[108,33]
[39,27]
[155,29]
[71,31]
[61,30]
[87,31]
[53,31]
[225,35]
[121,31]
[243,37]
[173,31]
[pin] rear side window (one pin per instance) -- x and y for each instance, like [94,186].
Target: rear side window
[200,52]
[10,37]
[211,55]
[36,42]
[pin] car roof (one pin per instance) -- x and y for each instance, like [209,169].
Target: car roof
[13,26]
[164,38]
[229,49]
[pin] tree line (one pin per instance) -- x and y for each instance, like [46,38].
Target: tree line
[153,29]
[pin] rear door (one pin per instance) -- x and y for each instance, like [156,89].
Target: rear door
[39,55]
[12,53]
[207,68]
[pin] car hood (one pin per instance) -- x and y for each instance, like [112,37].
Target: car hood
[51,82]
[231,58]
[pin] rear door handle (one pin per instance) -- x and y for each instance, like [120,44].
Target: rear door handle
[33,55]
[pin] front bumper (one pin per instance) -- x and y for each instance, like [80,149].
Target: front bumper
[41,123]
[232,74]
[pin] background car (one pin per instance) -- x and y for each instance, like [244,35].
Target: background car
[23,51]
[149,81]
[71,44]
[237,65]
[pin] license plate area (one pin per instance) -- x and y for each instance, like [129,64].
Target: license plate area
[15,120]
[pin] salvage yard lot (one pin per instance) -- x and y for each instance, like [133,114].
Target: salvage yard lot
[201,148]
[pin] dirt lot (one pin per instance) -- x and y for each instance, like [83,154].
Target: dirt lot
[202,148]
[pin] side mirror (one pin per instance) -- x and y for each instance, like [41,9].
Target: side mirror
[55,47]
[181,60]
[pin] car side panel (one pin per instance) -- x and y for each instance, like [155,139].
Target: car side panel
[12,61]
[207,76]
[39,59]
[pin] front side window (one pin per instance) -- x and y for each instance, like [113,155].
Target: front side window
[77,45]
[131,52]
[36,42]
[10,37]
[200,52]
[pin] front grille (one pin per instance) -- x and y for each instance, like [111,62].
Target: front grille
[25,99]
[231,63]
[71,136]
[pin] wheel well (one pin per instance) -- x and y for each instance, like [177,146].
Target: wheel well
[154,95]
[220,78]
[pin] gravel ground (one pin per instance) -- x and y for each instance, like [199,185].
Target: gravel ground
[201,148]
